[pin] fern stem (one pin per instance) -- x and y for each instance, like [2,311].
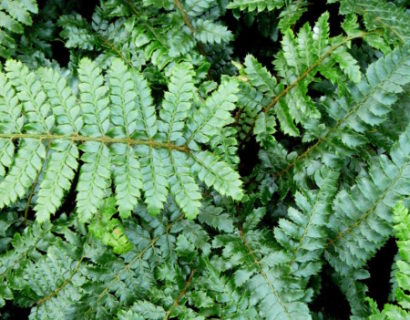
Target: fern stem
[181,294]
[103,139]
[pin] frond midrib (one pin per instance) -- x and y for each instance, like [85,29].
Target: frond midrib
[102,139]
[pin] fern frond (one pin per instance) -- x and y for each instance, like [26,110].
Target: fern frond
[11,119]
[27,164]
[145,173]
[60,173]
[24,245]
[183,186]
[93,99]
[124,116]
[154,178]
[312,51]
[368,105]
[45,275]
[216,218]
[197,7]
[63,102]
[147,122]
[144,164]
[225,145]
[258,5]
[384,15]
[215,173]
[149,35]
[303,233]
[14,15]
[138,164]
[400,311]
[77,32]
[32,96]
[260,77]
[263,276]
[291,13]
[401,227]
[362,219]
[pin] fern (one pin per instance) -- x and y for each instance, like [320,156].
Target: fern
[362,219]
[302,234]
[368,105]
[197,159]
[14,15]
[145,40]
[167,156]
[381,14]
[301,58]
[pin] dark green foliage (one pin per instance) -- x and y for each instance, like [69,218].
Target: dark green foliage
[14,15]
[165,172]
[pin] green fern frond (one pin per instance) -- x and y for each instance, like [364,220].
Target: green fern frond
[265,277]
[225,145]
[209,32]
[116,128]
[177,102]
[160,39]
[401,219]
[77,32]
[384,15]
[303,233]
[14,15]
[302,57]
[368,105]
[199,159]
[258,5]
[291,14]
[26,244]
[362,219]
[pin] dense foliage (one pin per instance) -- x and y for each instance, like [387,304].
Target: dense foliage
[198,159]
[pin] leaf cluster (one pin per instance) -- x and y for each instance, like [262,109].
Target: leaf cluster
[164,171]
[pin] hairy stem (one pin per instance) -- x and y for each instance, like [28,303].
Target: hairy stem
[181,294]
